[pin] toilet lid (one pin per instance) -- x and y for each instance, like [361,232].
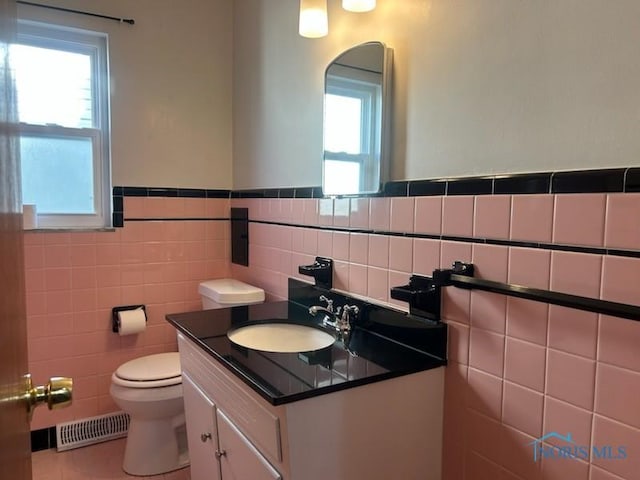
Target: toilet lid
[159,369]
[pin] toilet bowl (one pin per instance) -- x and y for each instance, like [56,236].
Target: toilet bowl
[149,389]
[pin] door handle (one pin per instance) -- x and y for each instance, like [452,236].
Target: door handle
[57,393]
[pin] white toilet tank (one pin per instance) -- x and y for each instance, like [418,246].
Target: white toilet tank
[227,292]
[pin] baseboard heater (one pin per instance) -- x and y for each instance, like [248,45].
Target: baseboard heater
[87,431]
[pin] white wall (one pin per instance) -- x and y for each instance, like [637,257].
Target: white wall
[481,86]
[171,88]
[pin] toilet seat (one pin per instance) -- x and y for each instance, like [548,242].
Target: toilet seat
[152,371]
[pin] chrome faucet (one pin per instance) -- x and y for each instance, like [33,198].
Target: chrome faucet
[342,317]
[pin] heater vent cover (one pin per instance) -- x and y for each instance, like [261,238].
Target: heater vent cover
[87,431]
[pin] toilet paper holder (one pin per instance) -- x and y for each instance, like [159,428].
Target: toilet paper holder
[115,325]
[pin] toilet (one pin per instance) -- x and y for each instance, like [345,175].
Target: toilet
[149,389]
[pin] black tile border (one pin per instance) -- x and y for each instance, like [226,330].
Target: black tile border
[580,181]
[43,439]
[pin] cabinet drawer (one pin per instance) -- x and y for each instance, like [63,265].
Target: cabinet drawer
[255,421]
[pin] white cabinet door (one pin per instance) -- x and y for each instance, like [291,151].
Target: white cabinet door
[240,460]
[201,432]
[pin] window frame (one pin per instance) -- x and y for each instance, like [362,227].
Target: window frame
[95,45]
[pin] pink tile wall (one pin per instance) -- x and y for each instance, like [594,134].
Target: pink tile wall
[517,369]
[74,279]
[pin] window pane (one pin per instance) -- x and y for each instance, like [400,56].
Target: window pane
[54,87]
[343,116]
[341,177]
[57,174]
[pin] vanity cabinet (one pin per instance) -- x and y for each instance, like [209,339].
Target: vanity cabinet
[386,429]
[217,448]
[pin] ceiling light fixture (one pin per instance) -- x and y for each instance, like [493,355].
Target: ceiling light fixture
[314,22]
[359,5]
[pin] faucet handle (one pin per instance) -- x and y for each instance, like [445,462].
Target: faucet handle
[329,302]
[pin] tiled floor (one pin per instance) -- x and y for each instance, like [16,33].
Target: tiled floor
[102,461]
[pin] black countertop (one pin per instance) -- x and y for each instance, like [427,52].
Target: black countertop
[384,344]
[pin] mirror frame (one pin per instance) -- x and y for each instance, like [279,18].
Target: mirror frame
[385,119]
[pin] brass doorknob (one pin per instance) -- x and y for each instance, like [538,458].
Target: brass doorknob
[57,393]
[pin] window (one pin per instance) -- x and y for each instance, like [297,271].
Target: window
[62,86]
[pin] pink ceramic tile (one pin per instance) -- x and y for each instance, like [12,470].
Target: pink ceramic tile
[311,211]
[195,207]
[564,418]
[458,342]
[457,216]
[36,303]
[490,262]
[83,300]
[60,324]
[108,276]
[561,469]
[297,240]
[341,212]
[132,253]
[618,342]
[341,276]
[341,246]
[456,304]
[358,248]
[527,320]
[34,280]
[570,378]
[359,213]
[480,429]
[617,394]
[481,468]
[622,226]
[56,238]
[134,207]
[377,284]
[524,364]
[576,273]
[297,212]
[397,279]
[194,231]
[522,409]
[58,302]
[33,256]
[517,455]
[486,351]
[379,214]
[310,241]
[153,207]
[378,254]
[573,331]
[599,474]
[426,256]
[532,217]
[325,212]
[401,254]
[615,434]
[154,232]
[529,267]
[358,279]
[133,232]
[402,214]
[579,219]
[488,311]
[57,256]
[83,277]
[428,217]
[484,393]
[492,216]
[174,208]
[621,279]
[452,251]
[57,279]
[107,254]
[325,244]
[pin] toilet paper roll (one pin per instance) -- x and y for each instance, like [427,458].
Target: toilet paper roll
[29,217]
[131,321]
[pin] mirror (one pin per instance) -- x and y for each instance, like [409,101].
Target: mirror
[356,97]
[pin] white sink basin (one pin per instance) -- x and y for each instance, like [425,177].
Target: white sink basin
[281,338]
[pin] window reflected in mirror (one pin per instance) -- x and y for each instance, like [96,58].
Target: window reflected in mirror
[356,88]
